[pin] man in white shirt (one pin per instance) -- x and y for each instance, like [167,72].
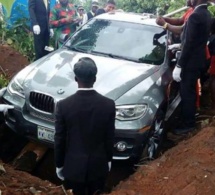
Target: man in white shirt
[92,13]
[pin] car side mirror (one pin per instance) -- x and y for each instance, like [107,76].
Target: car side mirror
[63,38]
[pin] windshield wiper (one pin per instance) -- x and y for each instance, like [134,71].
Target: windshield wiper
[114,56]
[73,48]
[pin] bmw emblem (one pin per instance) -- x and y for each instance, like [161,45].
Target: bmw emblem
[60,91]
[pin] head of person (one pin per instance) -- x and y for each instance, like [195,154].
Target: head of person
[80,10]
[188,3]
[85,71]
[95,6]
[64,2]
[110,6]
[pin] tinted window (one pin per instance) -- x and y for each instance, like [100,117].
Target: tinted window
[137,42]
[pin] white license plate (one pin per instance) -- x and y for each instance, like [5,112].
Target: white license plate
[45,134]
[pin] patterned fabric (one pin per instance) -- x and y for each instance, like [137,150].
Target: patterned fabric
[62,19]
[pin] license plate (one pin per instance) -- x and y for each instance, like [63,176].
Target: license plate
[45,134]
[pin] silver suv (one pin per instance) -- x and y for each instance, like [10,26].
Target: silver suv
[134,70]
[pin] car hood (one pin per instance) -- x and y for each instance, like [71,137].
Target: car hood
[54,75]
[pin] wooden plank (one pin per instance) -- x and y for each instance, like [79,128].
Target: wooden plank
[30,155]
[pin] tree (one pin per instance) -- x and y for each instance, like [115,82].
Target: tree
[152,6]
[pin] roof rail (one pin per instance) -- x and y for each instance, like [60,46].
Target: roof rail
[148,15]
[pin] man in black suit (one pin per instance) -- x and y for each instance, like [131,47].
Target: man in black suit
[39,15]
[187,71]
[84,133]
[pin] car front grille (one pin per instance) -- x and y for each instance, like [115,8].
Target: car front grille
[42,102]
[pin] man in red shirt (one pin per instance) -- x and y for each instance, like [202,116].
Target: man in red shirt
[180,21]
[63,18]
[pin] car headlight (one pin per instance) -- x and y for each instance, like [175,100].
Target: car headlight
[130,112]
[15,86]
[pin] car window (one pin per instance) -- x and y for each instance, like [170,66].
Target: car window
[137,42]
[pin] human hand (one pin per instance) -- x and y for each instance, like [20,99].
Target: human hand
[59,173]
[51,33]
[2,91]
[160,21]
[77,19]
[109,165]
[177,73]
[174,46]
[69,19]
[36,29]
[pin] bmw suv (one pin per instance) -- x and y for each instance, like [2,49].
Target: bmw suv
[134,70]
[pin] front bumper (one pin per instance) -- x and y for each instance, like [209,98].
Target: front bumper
[134,140]
[15,121]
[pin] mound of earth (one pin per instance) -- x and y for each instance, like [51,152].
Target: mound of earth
[14,182]
[11,61]
[188,168]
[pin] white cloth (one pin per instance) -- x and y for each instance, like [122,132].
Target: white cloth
[174,46]
[109,165]
[85,89]
[5,107]
[177,74]
[36,29]
[85,19]
[59,172]
[46,3]
[51,34]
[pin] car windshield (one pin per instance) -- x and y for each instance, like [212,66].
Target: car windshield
[122,40]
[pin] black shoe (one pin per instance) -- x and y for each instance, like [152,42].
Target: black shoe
[185,130]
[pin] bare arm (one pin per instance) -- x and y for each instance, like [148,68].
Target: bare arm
[174,21]
[172,28]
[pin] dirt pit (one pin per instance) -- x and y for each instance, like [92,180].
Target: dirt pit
[187,168]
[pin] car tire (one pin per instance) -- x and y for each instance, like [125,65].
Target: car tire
[155,140]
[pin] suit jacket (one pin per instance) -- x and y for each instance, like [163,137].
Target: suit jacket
[194,39]
[39,15]
[84,133]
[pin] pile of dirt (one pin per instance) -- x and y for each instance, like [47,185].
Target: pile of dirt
[185,169]
[14,182]
[188,168]
[11,61]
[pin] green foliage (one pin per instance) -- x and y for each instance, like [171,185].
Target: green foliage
[174,5]
[3,81]
[75,2]
[87,5]
[211,9]
[18,36]
[160,7]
